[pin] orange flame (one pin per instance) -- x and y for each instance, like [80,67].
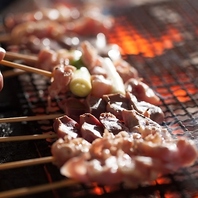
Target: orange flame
[133,42]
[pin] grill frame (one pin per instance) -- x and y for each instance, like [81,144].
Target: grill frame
[178,59]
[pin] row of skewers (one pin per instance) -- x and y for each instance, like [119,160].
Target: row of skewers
[56,26]
[77,22]
[117,130]
[132,124]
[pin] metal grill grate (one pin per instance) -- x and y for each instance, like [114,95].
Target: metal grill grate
[160,40]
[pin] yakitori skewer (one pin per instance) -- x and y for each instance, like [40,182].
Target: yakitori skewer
[5,38]
[12,73]
[30,118]
[28,137]
[26,57]
[28,162]
[79,83]
[37,189]
[26,68]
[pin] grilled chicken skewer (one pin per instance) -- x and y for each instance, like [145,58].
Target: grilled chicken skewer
[54,24]
[78,79]
[138,151]
[23,163]
[101,71]
[28,137]
[26,68]
[147,137]
[30,59]
[29,118]
[100,77]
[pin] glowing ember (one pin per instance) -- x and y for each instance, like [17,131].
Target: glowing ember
[133,42]
[98,191]
[163,180]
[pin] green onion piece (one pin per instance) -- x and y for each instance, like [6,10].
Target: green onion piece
[80,85]
[77,63]
[112,74]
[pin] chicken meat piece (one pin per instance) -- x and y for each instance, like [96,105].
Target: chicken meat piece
[142,91]
[62,75]
[133,156]
[127,158]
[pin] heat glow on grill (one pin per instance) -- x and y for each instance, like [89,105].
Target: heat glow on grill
[177,93]
[133,42]
[136,40]
[98,191]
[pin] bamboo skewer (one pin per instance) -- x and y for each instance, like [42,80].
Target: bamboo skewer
[28,162]
[12,73]
[37,189]
[30,118]
[28,137]
[18,56]
[5,38]
[26,68]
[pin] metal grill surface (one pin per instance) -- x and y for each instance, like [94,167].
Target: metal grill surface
[160,39]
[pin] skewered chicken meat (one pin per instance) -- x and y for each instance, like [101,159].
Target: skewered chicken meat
[55,24]
[58,13]
[113,103]
[134,157]
[105,78]
[111,134]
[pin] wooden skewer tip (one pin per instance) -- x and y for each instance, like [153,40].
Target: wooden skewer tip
[28,137]
[26,68]
[37,189]
[30,118]
[28,162]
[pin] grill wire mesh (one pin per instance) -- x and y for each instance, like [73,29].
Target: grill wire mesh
[161,40]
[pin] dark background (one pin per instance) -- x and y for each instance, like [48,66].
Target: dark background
[5,3]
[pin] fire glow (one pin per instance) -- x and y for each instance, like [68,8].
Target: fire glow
[133,42]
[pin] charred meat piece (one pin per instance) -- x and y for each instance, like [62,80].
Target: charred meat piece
[96,105]
[149,110]
[111,123]
[116,103]
[137,122]
[91,128]
[66,126]
[73,107]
